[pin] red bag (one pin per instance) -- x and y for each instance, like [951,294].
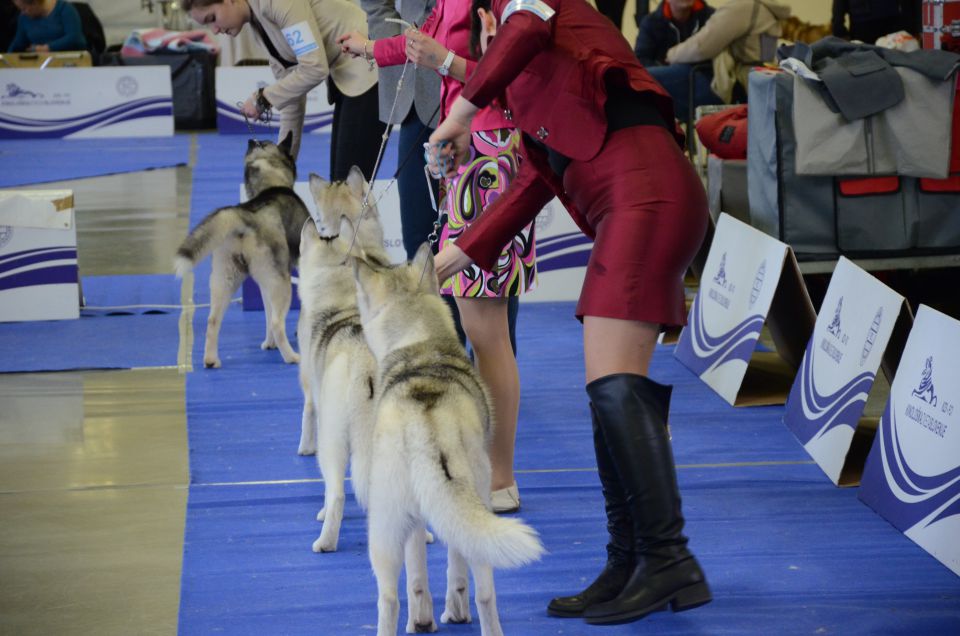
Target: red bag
[724,133]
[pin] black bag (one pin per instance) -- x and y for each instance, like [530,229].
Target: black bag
[92,30]
[192,76]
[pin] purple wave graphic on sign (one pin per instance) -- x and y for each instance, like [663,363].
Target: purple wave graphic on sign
[14,127]
[43,266]
[810,414]
[231,121]
[701,352]
[919,495]
[564,259]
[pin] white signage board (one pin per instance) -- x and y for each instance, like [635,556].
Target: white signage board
[235,84]
[562,255]
[110,101]
[839,366]
[39,279]
[743,272]
[912,475]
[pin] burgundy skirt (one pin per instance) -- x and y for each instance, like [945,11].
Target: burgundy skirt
[647,206]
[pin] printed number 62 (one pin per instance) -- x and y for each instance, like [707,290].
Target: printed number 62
[294,38]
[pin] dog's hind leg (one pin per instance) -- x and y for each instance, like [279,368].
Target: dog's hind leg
[486,597]
[385,539]
[332,455]
[308,420]
[457,608]
[419,601]
[225,279]
[276,310]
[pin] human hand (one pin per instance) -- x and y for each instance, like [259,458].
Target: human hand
[449,261]
[250,108]
[41,48]
[423,50]
[449,145]
[355,44]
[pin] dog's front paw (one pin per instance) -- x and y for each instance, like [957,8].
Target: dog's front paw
[455,616]
[293,358]
[211,362]
[268,344]
[421,628]
[325,545]
[307,448]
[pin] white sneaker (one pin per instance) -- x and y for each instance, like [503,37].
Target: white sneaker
[506,499]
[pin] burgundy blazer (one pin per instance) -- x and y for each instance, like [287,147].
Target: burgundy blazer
[550,77]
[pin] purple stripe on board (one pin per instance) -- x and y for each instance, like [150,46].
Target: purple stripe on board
[47,276]
[38,250]
[56,255]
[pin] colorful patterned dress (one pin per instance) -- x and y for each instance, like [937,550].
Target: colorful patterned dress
[492,166]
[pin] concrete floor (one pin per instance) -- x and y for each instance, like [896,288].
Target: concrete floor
[93,465]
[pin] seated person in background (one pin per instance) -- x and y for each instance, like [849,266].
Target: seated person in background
[872,19]
[733,39]
[48,25]
[673,22]
[8,23]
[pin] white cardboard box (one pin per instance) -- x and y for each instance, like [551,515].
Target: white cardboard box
[39,279]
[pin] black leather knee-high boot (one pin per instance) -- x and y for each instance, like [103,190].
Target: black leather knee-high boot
[632,413]
[620,560]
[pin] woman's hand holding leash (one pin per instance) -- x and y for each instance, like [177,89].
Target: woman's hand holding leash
[423,50]
[449,145]
[449,261]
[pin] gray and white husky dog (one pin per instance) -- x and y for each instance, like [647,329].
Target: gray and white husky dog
[428,459]
[259,238]
[337,370]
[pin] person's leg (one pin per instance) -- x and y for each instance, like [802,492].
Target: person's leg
[675,79]
[485,322]
[335,128]
[358,135]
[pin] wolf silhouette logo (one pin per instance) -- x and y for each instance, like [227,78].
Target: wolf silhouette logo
[834,327]
[925,391]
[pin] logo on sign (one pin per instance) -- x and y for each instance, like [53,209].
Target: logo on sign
[834,327]
[544,219]
[925,391]
[6,233]
[14,91]
[127,86]
[721,277]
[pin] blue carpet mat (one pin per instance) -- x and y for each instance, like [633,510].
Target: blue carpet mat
[785,551]
[64,159]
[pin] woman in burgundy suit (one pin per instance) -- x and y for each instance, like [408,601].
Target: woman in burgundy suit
[599,134]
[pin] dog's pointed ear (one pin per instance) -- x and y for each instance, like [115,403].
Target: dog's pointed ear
[425,269]
[287,144]
[318,185]
[357,182]
[308,233]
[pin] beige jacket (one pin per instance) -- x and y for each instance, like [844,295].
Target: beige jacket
[732,39]
[305,32]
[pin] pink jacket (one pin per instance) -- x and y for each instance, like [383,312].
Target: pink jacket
[448,24]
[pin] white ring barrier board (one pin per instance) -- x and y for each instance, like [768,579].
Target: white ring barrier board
[912,475]
[849,342]
[39,279]
[123,101]
[749,279]
[237,83]
[562,254]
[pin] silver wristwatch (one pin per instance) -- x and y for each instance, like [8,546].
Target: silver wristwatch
[444,69]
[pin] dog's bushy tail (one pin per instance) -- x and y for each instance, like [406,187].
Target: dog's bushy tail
[445,488]
[202,240]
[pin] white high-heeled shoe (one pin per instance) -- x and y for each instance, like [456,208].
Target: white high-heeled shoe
[506,499]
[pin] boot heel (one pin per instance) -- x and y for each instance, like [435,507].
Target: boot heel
[690,597]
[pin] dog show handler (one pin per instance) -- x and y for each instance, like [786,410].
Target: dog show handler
[300,37]
[599,133]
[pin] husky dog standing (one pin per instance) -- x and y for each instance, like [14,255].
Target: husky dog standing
[259,238]
[428,462]
[337,370]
